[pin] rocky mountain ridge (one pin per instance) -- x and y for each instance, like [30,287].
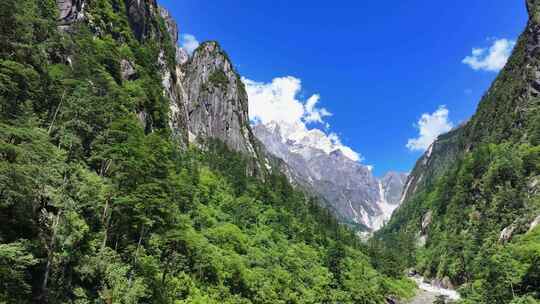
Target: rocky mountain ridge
[207,98]
[347,186]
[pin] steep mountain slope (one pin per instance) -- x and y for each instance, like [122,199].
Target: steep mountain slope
[216,99]
[207,98]
[103,200]
[476,189]
[348,187]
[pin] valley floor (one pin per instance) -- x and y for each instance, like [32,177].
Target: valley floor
[427,293]
[424,297]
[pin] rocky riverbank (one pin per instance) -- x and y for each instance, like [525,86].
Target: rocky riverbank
[429,293]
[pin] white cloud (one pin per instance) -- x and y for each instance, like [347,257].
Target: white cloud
[430,127]
[189,43]
[314,114]
[278,102]
[491,59]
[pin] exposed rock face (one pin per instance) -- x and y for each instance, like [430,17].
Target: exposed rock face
[350,188]
[393,184]
[447,283]
[426,221]
[141,16]
[422,235]
[70,11]
[441,154]
[534,185]
[421,240]
[534,223]
[507,234]
[216,99]
[172,26]
[127,70]
[172,83]
[207,98]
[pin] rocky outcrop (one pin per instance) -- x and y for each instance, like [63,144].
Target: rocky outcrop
[426,222]
[534,223]
[437,159]
[207,98]
[216,100]
[140,13]
[70,11]
[534,186]
[422,235]
[393,184]
[172,83]
[127,70]
[507,234]
[348,187]
[170,24]
[142,18]
[172,28]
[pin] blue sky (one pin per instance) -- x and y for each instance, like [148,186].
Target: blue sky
[376,65]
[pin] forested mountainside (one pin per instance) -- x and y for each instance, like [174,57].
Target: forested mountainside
[349,188]
[129,173]
[472,207]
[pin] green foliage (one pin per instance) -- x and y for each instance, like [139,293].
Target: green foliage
[15,261]
[481,179]
[219,79]
[487,191]
[97,206]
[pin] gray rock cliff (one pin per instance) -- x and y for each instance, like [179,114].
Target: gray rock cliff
[207,98]
[172,82]
[142,17]
[70,11]
[216,100]
[348,187]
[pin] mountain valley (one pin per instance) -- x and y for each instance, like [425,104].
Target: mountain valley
[347,186]
[131,172]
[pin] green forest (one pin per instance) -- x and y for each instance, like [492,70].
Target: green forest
[486,192]
[102,203]
[97,206]
[471,224]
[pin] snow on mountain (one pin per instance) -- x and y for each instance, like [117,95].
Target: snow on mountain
[323,166]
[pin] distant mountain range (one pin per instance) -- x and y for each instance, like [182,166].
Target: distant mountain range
[348,187]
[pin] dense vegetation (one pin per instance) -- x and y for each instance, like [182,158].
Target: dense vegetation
[483,180]
[487,191]
[100,206]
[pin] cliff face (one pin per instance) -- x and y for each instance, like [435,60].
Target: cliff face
[141,15]
[172,81]
[216,100]
[207,98]
[70,11]
[393,184]
[348,187]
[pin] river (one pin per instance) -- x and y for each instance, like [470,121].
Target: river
[428,293]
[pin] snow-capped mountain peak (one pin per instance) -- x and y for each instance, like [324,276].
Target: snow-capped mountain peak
[324,166]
